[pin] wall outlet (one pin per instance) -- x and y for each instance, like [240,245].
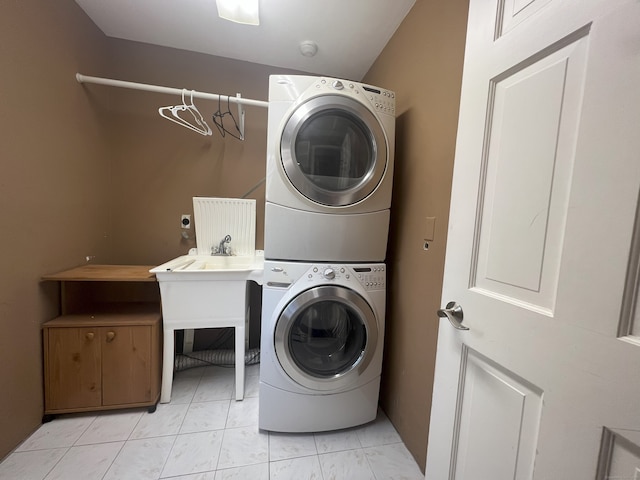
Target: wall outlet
[185,221]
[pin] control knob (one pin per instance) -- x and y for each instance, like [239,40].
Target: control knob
[337,85]
[329,273]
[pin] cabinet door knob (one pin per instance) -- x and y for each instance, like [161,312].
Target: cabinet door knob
[111,336]
[89,336]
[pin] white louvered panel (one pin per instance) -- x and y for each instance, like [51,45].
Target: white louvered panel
[217,217]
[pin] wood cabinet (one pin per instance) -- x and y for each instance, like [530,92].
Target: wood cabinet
[102,353]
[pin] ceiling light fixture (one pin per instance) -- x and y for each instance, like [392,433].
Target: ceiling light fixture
[239,11]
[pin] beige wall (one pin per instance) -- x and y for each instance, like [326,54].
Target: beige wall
[54,191]
[159,166]
[423,64]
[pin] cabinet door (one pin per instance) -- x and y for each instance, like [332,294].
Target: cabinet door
[73,368]
[126,370]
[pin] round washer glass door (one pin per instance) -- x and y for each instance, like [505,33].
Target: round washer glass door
[333,150]
[325,337]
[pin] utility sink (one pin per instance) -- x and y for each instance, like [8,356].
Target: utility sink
[204,291]
[202,288]
[225,263]
[211,267]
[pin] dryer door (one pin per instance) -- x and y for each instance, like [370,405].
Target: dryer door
[334,150]
[325,337]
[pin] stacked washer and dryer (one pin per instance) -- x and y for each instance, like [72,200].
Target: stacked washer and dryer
[330,147]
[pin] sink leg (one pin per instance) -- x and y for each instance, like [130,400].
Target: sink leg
[239,330]
[167,366]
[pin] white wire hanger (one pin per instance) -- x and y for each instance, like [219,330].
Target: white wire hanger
[178,114]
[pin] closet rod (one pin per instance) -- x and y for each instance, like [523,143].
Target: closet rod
[174,91]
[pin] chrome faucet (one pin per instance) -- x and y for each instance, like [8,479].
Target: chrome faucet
[223,247]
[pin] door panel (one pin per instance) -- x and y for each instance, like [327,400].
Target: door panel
[512,12]
[73,368]
[619,455]
[126,371]
[493,399]
[541,251]
[527,175]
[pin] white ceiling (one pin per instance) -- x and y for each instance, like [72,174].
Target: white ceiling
[350,34]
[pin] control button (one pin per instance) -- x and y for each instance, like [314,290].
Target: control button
[351,85]
[337,85]
[315,269]
[342,270]
[276,269]
[347,276]
[329,273]
[310,276]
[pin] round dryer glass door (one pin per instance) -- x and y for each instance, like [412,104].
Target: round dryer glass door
[334,150]
[325,337]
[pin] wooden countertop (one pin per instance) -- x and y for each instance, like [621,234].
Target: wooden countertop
[105,273]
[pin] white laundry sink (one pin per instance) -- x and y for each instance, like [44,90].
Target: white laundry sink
[224,263]
[203,291]
[197,289]
[211,267]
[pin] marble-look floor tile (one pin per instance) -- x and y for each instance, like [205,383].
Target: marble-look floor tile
[89,462]
[205,416]
[378,432]
[337,441]
[201,436]
[252,370]
[251,386]
[290,445]
[259,471]
[141,459]
[218,386]
[193,453]
[243,413]
[60,432]
[184,388]
[198,476]
[110,427]
[166,420]
[307,468]
[243,446]
[393,462]
[30,465]
[348,465]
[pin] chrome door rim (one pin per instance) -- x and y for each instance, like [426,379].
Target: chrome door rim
[298,179]
[307,298]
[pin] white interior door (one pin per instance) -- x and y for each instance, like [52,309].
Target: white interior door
[543,248]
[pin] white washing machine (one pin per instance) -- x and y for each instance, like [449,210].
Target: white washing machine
[330,152]
[321,345]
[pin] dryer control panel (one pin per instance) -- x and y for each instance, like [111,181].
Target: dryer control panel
[382,101]
[371,277]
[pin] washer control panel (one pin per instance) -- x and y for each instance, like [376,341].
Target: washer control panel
[382,101]
[371,277]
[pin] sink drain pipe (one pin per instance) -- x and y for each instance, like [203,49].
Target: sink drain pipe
[222,358]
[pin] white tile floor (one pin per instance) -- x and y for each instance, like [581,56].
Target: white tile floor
[205,435]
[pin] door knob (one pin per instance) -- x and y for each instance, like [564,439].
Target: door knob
[453,312]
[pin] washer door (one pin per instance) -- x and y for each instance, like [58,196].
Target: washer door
[334,150]
[325,337]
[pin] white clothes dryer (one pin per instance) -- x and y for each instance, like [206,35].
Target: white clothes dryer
[330,154]
[321,345]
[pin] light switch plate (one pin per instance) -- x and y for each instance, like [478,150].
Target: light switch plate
[429,228]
